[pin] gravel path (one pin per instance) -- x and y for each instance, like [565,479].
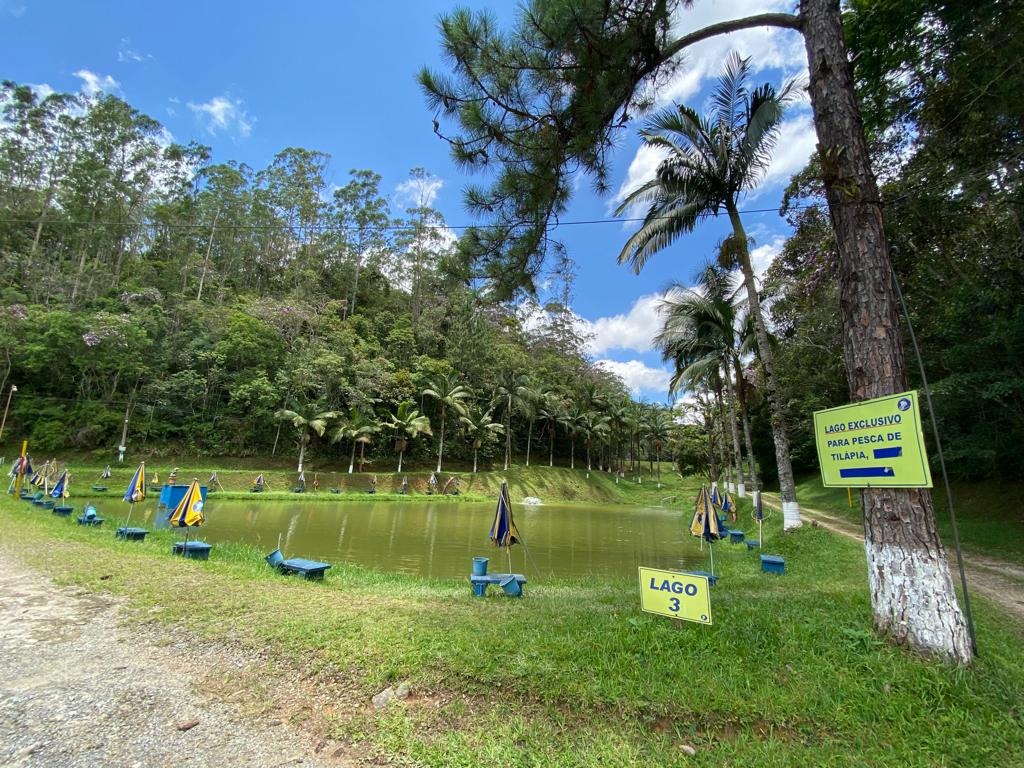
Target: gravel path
[77,688]
[1000,581]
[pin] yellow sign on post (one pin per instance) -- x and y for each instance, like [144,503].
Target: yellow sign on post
[876,443]
[677,595]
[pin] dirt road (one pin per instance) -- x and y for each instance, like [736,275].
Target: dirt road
[78,688]
[997,580]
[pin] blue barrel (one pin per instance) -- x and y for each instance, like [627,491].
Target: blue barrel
[90,512]
[479,566]
[275,558]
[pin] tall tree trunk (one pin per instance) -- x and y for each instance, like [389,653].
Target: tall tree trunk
[362,455]
[551,449]
[529,439]
[206,261]
[787,486]
[400,454]
[912,595]
[475,452]
[740,486]
[440,445]
[508,433]
[741,395]
[572,451]
[352,458]
[302,450]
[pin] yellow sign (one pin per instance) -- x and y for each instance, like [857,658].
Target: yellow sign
[876,443]
[677,595]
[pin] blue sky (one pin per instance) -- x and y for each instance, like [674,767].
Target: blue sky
[249,79]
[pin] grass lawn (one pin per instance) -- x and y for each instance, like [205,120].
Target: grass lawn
[989,515]
[574,674]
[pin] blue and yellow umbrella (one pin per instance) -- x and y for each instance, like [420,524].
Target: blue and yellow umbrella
[503,528]
[189,512]
[136,490]
[60,490]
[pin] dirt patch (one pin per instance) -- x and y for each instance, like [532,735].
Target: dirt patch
[78,689]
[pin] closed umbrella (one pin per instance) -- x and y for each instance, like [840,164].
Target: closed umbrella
[136,490]
[189,512]
[705,522]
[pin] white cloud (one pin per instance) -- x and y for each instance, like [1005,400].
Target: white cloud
[41,90]
[633,330]
[126,53]
[639,377]
[641,170]
[762,256]
[421,191]
[14,8]
[94,84]
[224,113]
[767,47]
[797,142]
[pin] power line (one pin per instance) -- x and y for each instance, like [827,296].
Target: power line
[333,228]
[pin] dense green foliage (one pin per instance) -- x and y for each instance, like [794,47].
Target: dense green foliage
[940,85]
[234,310]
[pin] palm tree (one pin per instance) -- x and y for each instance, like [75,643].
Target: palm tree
[593,425]
[550,413]
[408,423]
[572,420]
[531,396]
[477,424]
[507,395]
[712,161]
[700,335]
[360,429]
[659,428]
[450,394]
[304,421]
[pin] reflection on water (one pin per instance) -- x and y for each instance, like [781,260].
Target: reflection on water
[439,539]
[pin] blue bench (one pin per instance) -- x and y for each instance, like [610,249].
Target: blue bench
[753,544]
[773,564]
[61,511]
[131,534]
[193,550]
[736,537]
[97,521]
[511,583]
[307,569]
[99,488]
[712,579]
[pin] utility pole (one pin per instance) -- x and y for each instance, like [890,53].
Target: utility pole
[123,445]
[7,407]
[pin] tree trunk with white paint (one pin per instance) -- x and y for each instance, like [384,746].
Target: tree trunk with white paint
[912,595]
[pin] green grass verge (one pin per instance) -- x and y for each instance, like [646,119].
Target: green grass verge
[989,515]
[550,484]
[574,674]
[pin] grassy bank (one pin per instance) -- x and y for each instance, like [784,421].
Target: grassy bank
[550,484]
[989,515]
[574,674]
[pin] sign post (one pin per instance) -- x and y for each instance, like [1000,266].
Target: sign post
[683,596]
[873,444]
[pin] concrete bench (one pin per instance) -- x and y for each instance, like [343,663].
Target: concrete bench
[753,544]
[511,583]
[736,537]
[193,550]
[773,564]
[61,511]
[97,521]
[307,569]
[131,534]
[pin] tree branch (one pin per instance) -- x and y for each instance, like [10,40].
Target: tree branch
[785,20]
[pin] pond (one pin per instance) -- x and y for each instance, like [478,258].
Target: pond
[439,539]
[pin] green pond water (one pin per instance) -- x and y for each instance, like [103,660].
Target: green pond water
[439,540]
